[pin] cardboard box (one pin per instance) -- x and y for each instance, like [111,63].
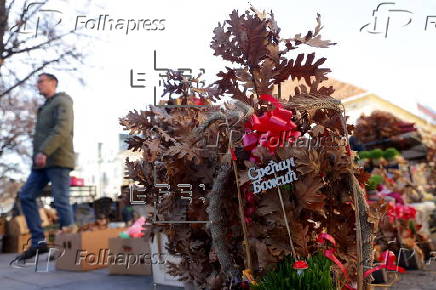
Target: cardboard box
[52,215]
[16,244]
[131,256]
[2,226]
[1,243]
[19,243]
[17,226]
[86,250]
[45,220]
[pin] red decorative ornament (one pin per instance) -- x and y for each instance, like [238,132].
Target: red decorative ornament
[272,129]
[300,266]
[251,208]
[348,149]
[249,197]
[198,101]
[389,258]
[232,152]
[401,212]
[250,141]
[249,211]
[324,236]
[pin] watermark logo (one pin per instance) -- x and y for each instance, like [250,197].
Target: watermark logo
[185,191]
[41,262]
[387,14]
[34,10]
[36,19]
[126,259]
[137,80]
[107,23]
[382,18]
[430,20]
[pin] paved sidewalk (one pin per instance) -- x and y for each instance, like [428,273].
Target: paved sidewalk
[27,279]
[417,280]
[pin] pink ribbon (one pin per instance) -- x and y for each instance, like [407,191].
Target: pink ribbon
[330,254]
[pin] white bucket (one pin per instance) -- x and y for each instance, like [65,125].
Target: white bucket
[160,275]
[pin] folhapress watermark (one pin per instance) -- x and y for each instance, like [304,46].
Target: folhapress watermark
[37,19]
[107,23]
[107,257]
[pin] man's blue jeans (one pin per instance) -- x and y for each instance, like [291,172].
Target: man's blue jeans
[60,186]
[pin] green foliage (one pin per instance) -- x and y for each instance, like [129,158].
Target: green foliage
[390,153]
[373,181]
[378,179]
[376,153]
[364,155]
[284,277]
[412,226]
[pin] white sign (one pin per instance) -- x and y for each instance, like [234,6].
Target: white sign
[273,167]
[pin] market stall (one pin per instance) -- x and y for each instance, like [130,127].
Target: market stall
[399,168]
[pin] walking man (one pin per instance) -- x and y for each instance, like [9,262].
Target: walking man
[53,159]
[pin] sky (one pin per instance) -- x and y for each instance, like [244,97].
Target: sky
[399,68]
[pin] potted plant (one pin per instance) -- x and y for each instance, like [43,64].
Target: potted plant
[376,157]
[371,185]
[364,158]
[390,155]
[316,273]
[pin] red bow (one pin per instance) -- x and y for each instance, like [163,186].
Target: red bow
[270,127]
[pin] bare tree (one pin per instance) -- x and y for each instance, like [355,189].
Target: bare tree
[32,39]
[15,128]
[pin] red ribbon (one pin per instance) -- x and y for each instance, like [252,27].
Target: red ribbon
[330,254]
[324,236]
[232,151]
[389,258]
[198,102]
[390,261]
[272,125]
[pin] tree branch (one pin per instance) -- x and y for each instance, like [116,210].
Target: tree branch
[33,72]
[12,52]
[23,18]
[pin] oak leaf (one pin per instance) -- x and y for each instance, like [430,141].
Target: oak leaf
[307,194]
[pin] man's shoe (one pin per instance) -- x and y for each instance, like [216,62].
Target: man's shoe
[31,252]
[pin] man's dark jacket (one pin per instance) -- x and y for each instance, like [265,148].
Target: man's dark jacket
[54,132]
